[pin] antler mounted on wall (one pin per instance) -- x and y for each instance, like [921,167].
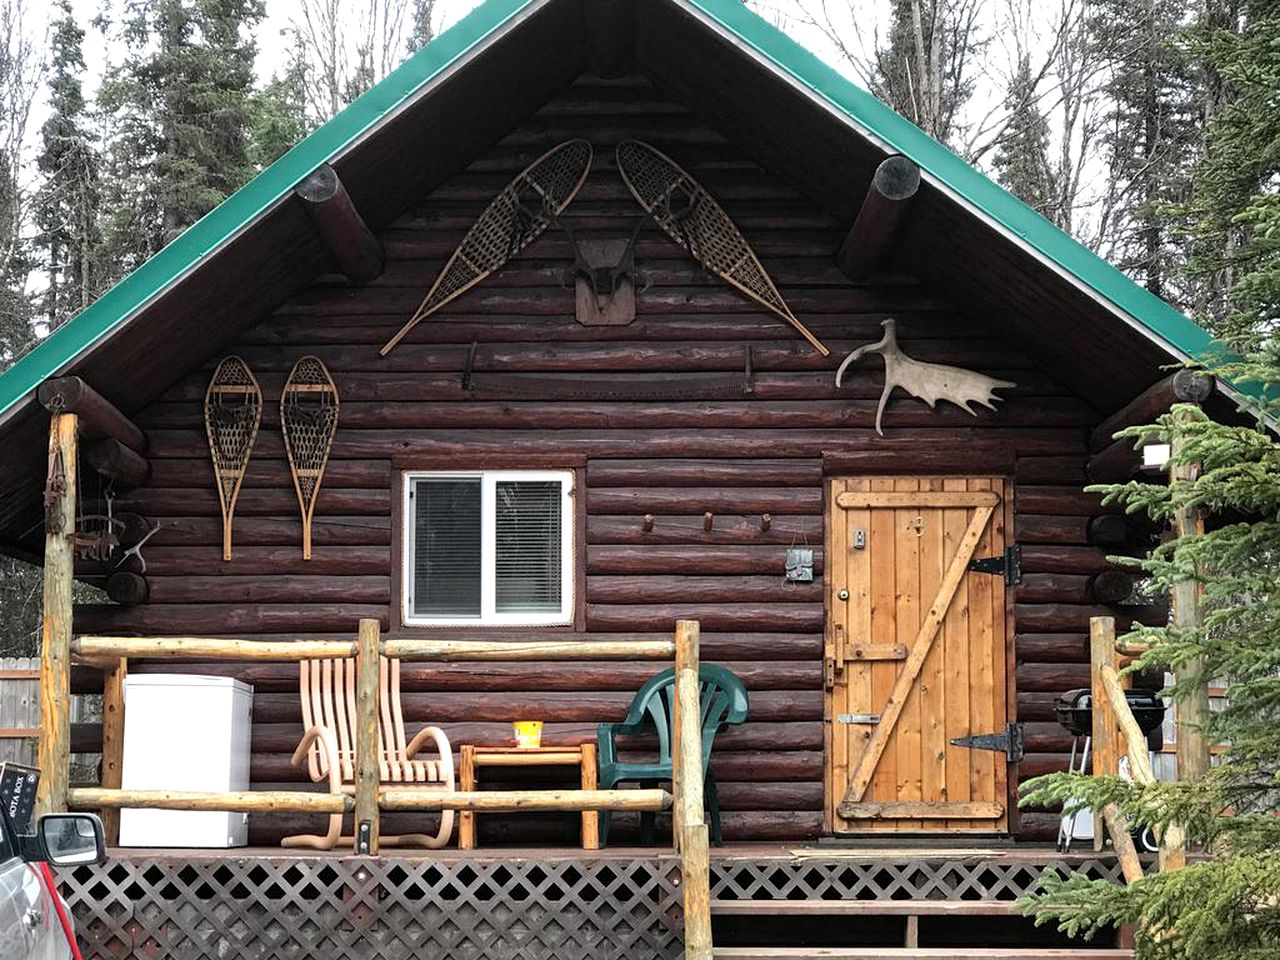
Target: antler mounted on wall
[929,382]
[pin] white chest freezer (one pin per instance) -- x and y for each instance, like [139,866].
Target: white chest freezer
[185,732]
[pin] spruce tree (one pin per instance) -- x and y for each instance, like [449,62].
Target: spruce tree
[181,108]
[1226,906]
[1153,135]
[279,115]
[20,66]
[67,205]
[1021,160]
[1233,218]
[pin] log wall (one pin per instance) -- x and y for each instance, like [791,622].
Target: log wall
[759,449]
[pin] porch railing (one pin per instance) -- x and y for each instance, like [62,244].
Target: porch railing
[372,798]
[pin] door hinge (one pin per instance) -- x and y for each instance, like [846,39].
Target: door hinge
[1007,564]
[1012,742]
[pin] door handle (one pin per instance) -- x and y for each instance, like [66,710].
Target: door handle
[838,648]
[32,919]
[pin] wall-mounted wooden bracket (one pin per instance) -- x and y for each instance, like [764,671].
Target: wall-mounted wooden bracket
[356,251]
[708,521]
[648,523]
[604,285]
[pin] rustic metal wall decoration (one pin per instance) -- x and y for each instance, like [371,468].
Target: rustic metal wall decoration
[309,420]
[690,216]
[515,218]
[929,382]
[232,413]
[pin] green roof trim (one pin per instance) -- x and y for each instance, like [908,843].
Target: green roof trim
[1177,330]
[252,200]
[1180,334]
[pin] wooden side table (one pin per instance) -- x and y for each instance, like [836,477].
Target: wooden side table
[474,757]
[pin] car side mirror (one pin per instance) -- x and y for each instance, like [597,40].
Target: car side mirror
[69,839]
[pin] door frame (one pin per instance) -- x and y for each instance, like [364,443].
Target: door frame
[1008,515]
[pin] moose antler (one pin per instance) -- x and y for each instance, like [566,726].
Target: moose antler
[929,382]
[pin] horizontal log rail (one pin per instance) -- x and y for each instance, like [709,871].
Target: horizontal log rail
[240,801]
[511,801]
[389,798]
[479,651]
[206,648]
[94,648]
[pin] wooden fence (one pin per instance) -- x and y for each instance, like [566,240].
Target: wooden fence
[19,709]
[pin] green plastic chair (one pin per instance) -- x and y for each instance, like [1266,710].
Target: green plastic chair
[724,703]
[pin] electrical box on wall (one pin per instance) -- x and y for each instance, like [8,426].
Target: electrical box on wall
[799,567]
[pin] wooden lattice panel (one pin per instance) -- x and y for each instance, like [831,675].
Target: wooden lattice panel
[851,878]
[208,909]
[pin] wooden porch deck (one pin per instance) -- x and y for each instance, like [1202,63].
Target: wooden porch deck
[523,902]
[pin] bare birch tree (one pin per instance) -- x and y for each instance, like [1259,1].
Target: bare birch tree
[21,70]
[344,53]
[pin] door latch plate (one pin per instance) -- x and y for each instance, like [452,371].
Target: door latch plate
[871,718]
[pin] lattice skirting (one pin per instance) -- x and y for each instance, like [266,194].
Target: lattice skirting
[898,878]
[261,909]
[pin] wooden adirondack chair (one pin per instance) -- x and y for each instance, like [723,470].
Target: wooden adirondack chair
[328,690]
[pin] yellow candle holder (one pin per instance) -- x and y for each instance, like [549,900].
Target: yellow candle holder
[528,734]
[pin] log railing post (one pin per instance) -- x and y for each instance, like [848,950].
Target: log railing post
[113,741]
[1106,734]
[366,779]
[1193,710]
[689,827]
[1173,840]
[55,645]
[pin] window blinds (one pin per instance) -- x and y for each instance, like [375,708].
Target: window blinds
[527,561]
[447,547]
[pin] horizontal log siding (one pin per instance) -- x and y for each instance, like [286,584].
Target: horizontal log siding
[738,457]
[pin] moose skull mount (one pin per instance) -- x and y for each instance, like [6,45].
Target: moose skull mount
[929,382]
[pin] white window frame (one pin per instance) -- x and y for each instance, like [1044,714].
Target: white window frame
[489,616]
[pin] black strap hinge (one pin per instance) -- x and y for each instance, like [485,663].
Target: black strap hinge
[1007,565]
[1012,742]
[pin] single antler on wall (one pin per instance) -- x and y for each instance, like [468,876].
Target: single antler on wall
[929,382]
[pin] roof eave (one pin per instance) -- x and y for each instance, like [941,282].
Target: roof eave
[1142,311]
[58,353]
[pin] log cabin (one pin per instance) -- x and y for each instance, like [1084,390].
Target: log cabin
[691,449]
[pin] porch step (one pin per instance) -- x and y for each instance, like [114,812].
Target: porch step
[863,908]
[917,953]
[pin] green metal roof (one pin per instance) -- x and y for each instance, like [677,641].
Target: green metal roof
[255,198]
[1179,333]
[1141,309]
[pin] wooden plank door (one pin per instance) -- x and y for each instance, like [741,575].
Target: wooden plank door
[916,655]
